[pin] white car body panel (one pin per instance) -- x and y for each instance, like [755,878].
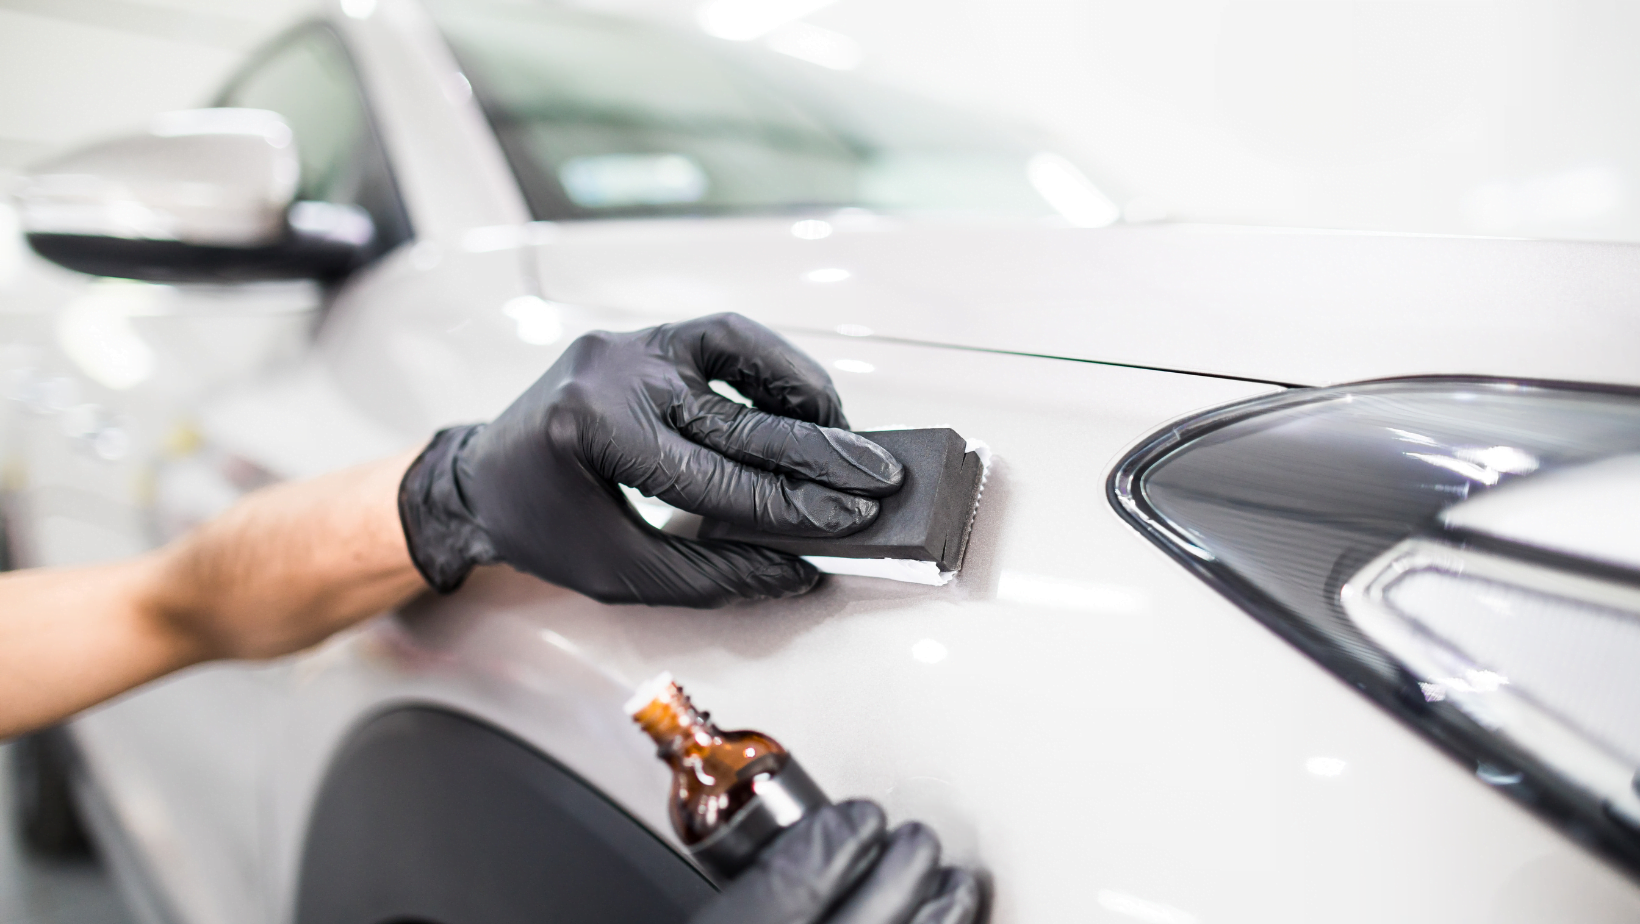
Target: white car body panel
[1078,714]
[1299,307]
[1096,725]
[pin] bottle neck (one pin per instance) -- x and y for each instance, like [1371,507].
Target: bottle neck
[675,725]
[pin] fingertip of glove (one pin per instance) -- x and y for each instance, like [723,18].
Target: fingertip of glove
[959,898]
[813,509]
[917,836]
[859,814]
[912,852]
[788,577]
[878,472]
[864,510]
[964,883]
[708,574]
[751,573]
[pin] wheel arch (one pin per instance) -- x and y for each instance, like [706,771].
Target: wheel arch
[426,814]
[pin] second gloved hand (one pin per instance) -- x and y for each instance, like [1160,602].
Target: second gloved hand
[538,487]
[841,865]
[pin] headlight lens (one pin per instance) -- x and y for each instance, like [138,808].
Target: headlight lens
[1445,545]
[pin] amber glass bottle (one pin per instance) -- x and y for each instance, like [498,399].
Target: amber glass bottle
[731,791]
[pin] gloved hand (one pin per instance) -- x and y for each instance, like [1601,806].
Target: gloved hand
[537,488]
[837,866]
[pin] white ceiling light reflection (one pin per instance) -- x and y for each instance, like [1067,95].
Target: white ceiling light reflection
[1407,436]
[539,321]
[1505,459]
[1140,909]
[854,330]
[558,641]
[1325,766]
[1060,594]
[359,9]
[744,20]
[1473,681]
[854,365]
[1069,192]
[816,46]
[811,229]
[829,274]
[928,651]
[1485,465]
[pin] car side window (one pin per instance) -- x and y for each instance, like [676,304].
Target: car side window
[308,78]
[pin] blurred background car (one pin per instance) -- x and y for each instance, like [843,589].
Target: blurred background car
[1068,230]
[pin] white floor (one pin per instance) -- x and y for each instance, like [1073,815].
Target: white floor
[33,891]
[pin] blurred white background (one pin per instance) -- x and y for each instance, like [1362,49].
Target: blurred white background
[1447,116]
[75,70]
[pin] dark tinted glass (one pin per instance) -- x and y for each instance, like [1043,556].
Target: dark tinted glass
[308,79]
[605,116]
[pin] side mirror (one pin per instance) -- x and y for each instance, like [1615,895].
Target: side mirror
[205,196]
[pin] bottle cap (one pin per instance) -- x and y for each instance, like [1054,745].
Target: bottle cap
[781,801]
[648,691]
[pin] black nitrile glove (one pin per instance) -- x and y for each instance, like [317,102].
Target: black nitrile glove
[838,866]
[537,488]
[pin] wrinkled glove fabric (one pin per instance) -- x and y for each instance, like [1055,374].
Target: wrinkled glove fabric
[538,488]
[842,866]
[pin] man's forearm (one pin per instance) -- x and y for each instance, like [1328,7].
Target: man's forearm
[291,564]
[76,636]
[280,571]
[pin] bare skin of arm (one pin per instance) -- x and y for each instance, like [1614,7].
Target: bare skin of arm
[280,571]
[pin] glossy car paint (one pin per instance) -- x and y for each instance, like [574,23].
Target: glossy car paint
[1300,307]
[1111,739]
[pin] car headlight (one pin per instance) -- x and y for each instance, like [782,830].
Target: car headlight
[1465,551]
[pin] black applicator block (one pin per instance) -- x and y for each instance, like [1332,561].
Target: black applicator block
[926,520]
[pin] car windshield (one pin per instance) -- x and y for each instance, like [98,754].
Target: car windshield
[1512,119]
[606,117]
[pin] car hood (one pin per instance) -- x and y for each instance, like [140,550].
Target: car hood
[1285,306]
